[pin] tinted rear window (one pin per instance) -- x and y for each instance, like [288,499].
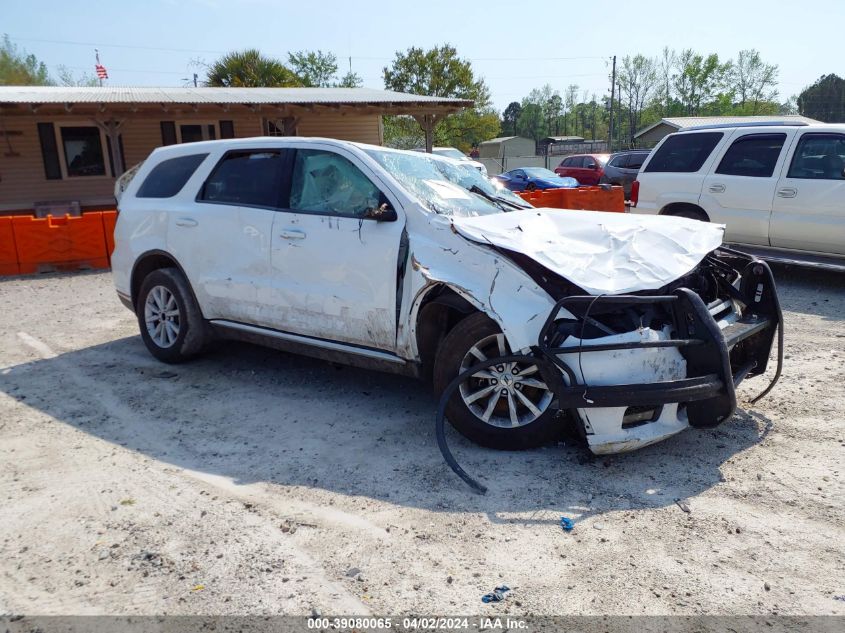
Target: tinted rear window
[752,155]
[248,178]
[635,161]
[168,177]
[684,152]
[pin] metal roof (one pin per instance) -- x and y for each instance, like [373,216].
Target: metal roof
[503,139]
[685,122]
[250,96]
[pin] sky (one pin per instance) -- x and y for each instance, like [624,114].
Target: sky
[515,46]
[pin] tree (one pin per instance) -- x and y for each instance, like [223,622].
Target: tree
[350,80]
[249,68]
[509,118]
[67,78]
[17,68]
[638,79]
[824,100]
[570,101]
[753,81]
[666,66]
[315,68]
[436,72]
[699,79]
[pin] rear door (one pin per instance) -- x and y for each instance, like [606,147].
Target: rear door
[222,239]
[809,204]
[334,272]
[739,190]
[676,169]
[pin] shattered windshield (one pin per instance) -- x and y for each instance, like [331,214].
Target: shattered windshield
[443,186]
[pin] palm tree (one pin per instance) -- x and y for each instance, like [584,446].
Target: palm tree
[250,69]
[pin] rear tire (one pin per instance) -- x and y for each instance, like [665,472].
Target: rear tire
[459,351]
[170,321]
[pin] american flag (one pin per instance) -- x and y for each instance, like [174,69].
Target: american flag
[102,73]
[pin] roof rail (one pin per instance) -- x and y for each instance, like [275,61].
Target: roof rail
[716,126]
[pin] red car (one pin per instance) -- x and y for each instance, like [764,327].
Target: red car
[587,169]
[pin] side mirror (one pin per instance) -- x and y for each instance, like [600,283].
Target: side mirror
[382,213]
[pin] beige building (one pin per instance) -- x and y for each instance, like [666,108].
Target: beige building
[653,134]
[64,147]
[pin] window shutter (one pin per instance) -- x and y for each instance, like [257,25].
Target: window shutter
[227,129]
[49,151]
[168,133]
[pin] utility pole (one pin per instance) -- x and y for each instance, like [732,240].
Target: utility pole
[195,80]
[612,98]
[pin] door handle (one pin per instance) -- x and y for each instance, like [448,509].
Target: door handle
[717,188]
[186,222]
[292,234]
[787,192]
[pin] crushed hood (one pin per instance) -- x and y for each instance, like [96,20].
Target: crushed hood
[603,253]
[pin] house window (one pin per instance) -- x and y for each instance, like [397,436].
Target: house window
[83,151]
[191,132]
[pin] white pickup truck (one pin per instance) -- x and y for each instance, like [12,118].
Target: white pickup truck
[779,187]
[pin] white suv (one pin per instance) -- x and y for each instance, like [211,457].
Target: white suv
[411,263]
[778,188]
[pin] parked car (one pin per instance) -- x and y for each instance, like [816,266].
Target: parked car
[587,169]
[778,188]
[639,326]
[622,169]
[456,154]
[533,178]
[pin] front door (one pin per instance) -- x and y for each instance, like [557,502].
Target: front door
[809,203]
[739,191]
[335,272]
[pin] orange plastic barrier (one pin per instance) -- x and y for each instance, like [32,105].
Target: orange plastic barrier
[8,250]
[581,199]
[54,243]
[109,220]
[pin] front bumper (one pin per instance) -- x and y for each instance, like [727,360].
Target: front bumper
[683,376]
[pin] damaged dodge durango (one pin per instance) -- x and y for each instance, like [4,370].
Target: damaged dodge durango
[635,327]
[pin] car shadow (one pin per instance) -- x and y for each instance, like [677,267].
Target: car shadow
[251,414]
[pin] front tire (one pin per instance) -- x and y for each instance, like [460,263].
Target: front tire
[170,321]
[507,407]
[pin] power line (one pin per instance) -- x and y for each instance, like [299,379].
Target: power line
[101,45]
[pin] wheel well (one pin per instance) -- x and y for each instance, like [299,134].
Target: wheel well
[147,264]
[676,208]
[441,310]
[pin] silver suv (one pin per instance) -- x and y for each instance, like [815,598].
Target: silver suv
[779,188]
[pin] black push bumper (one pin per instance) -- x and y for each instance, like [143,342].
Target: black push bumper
[717,359]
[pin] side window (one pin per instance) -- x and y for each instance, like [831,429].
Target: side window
[635,161]
[519,173]
[752,155]
[684,152]
[589,162]
[618,161]
[245,178]
[566,162]
[325,182]
[168,177]
[819,156]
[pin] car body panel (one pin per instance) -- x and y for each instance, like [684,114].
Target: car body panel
[619,172]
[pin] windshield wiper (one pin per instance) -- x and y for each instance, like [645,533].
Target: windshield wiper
[494,199]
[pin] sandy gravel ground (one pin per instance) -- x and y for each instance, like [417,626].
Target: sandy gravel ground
[254,482]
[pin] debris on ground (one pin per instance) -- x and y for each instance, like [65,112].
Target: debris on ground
[497,595]
[567,524]
[683,505]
